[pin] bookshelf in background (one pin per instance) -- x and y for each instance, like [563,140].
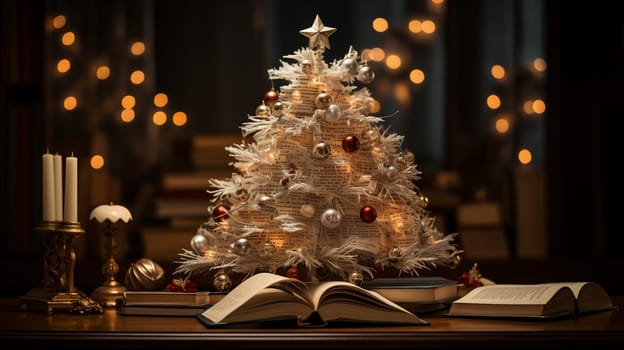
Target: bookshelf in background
[181,204]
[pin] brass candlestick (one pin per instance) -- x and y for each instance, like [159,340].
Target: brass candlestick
[57,290]
[111,291]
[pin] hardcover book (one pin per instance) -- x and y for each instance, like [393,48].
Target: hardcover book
[162,310]
[165,298]
[542,301]
[420,290]
[268,297]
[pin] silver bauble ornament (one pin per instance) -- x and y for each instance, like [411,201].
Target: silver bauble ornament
[395,254]
[145,274]
[391,171]
[350,65]
[267,250]
[323,100]
[222,282]
[263,110]
[266,202]
[241,246]
[331,218]
[332,112]
[321,151]
[200,244]
[356,278]
[307,210]
[278,109]
[366,74]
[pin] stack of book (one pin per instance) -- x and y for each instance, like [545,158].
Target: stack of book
[181,204]
[417,294]
[163,303]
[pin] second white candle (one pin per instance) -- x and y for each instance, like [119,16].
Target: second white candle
[70,212]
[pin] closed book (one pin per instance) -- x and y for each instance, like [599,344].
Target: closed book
[422,290]
[160,298]
[167,310]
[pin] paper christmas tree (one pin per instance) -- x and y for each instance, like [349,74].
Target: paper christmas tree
[322,190]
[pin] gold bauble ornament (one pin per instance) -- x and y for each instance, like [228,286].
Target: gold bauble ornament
[145,274]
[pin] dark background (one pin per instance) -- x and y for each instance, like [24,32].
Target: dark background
[211,58]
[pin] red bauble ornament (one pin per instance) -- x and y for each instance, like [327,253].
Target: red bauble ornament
[285,180]
[293,272]
[368,214]
[219,213]
[271,97]
[350,144]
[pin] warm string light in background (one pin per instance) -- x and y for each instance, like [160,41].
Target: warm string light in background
[63,65]
[502,124]
[127,114]
[525,156]
[397,62]
[96,162]
[102,72]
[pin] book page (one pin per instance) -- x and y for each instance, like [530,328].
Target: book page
[511,294]
[321,291]
[575,286]
[241,294]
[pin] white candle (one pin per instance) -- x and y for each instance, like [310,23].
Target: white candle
[48,188]
[70,212]
[58,187]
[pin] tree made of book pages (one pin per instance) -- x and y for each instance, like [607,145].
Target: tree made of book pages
[322,190]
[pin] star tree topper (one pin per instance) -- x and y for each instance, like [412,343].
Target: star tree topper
[318,34]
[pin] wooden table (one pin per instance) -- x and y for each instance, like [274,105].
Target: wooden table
[112,331]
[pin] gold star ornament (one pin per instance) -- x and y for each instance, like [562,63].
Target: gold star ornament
[318,34]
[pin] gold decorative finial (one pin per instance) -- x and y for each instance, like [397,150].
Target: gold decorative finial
[318,34]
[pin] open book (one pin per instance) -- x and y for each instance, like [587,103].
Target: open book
[546,300]
[267,297]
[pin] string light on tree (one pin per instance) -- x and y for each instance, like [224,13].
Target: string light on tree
[328,191]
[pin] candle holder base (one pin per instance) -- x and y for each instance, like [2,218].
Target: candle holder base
[57,291]
[49,300]
[109,294]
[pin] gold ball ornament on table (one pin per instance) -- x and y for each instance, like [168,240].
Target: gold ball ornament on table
[145,274]
[111,291]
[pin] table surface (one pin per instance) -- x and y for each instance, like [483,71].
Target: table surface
[109,329]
